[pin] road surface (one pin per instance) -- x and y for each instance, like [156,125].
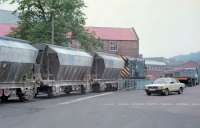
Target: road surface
[124,109]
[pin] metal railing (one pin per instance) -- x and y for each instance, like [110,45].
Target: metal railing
[136,84]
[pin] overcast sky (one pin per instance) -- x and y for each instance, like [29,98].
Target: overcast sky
[165,27]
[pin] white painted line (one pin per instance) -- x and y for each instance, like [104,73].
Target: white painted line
[123,104]
[166,104]
[195,104]
[151,104]
[111,104]
[138,104]
[182,104]
[84,98]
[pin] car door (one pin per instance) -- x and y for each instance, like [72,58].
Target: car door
[173,84]
[179,84]
[170,84]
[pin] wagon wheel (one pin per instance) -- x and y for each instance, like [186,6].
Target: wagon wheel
[25,97]
[4,98]
[51,92]
[82,89]
[29,96]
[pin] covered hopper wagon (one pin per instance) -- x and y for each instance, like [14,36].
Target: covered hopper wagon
[105,71]
[62,70]
[17,59]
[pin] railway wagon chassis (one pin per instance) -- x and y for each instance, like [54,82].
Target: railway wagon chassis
[23,91]
[104,85]
[54,88]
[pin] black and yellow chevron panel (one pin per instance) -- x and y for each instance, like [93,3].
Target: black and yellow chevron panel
[124,58]
[125,71]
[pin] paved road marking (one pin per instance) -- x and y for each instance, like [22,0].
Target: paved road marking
[85,98]
[110,104]
[153,104]
[123,104]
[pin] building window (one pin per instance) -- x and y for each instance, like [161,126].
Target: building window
[113,46]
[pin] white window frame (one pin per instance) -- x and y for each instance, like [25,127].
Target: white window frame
[113,46]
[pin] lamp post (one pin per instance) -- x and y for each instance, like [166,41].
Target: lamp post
[52,28]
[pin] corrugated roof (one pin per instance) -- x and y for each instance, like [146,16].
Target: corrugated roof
[189,64]
[12,50]
[152,62]
[15,43]
[68,56]
[108,33]
[112,60]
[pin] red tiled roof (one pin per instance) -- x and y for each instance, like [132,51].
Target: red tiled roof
[107,33]
[189,64]
[104,33]
[6,29]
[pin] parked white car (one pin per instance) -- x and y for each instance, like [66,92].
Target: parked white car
[164,86]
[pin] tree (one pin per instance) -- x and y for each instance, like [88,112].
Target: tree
[88,41]
[48,21]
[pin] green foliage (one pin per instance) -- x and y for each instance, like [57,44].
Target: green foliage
[89,42]
[36,22]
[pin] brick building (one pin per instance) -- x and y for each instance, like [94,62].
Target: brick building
[155,69]
[189,64]
[121,41]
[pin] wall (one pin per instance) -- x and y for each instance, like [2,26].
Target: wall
[155,71]
[125,48]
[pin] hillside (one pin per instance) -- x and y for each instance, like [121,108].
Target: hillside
[188,57]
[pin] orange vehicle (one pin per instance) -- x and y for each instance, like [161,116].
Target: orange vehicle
[189,76]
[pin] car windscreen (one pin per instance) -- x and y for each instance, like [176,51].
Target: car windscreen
[161,81]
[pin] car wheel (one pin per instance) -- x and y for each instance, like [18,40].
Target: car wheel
[180,91]
[166,92]
[148,93]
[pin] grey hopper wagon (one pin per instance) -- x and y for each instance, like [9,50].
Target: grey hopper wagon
[106,71]
[17,59]
[61,69]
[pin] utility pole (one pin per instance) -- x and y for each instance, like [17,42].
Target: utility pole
[52,28]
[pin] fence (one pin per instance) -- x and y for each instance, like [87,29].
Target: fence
[137,84]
